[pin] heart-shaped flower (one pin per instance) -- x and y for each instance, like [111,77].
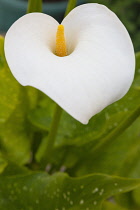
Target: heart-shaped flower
[97,71]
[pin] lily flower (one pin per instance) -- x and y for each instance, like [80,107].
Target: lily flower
[84,64]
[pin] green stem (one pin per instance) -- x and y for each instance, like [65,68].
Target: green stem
[71,5]
[34,6]
[53,131]
[45,149]
[2,55]
[2,46]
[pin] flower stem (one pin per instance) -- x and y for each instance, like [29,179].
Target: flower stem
[34,6]
[45,150]
[71,5]
[53,131]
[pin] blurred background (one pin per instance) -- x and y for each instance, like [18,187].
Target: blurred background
[127,10]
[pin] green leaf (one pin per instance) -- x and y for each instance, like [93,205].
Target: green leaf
[15,135]
[126,200]
[136,196]
[41,191]
[120,157]
[9,88]
[112,206]
[12,169]
[41,116]
[15,102]
[3,163]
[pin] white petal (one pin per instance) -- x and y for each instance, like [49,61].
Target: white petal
[27,42]
[99,70]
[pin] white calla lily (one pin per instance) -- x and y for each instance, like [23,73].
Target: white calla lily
[97,71]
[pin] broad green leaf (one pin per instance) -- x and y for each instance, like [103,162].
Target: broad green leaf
[39,191]
[41,116]
[112,206]
[126,201]
[15,101]
[136,196]
[3,163]
[15,135]
[12,169]
[120,157]
[9,88]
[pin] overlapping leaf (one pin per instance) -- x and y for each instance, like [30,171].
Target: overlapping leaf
[39,191]
[15,136]
[9,88]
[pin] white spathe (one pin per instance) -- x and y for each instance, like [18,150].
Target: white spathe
[98,70]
